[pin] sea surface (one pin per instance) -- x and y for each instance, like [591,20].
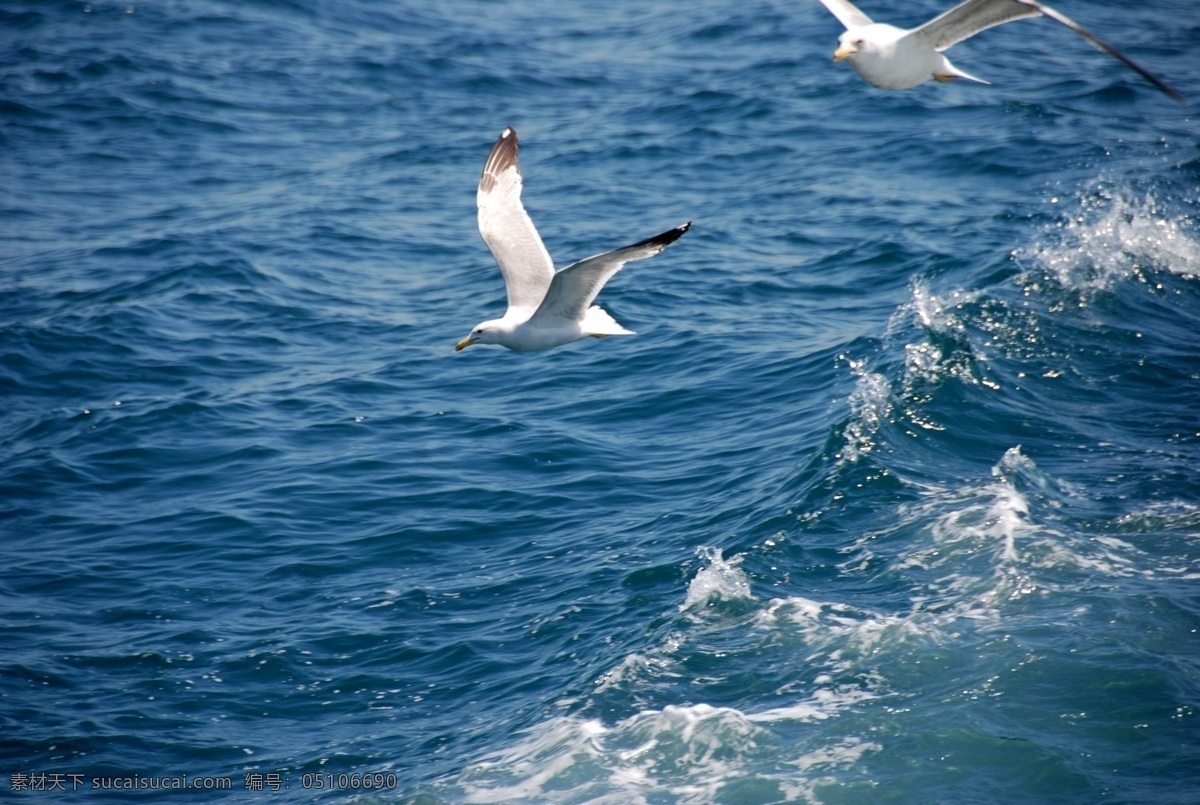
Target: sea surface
[894,496]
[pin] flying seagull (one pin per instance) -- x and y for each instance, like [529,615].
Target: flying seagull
[546,309]
[893,58]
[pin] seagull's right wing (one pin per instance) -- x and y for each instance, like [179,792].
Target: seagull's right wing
[575,287]
[969,18]
[508,230]
[847,14]
[1103,47]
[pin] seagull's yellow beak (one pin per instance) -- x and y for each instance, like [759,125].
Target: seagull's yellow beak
[842,53]
[466,342]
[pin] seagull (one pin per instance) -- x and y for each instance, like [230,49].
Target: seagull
[894,58]
[546,309]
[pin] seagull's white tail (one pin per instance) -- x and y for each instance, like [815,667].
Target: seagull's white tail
[953,72]
[597,322]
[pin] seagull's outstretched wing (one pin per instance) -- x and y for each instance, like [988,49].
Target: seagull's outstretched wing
[1104,47]
[575,287]
[847,14]
[969,18]
[508,230]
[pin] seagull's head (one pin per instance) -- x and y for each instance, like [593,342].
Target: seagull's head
[851,44]
[870,43]
[486,333]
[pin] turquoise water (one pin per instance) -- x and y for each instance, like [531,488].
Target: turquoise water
[893,498]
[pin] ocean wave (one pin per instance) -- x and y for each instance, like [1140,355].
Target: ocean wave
[1111,234]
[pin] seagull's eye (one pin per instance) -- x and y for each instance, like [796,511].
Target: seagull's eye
[859,43]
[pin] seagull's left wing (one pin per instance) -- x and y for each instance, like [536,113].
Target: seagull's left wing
[574,288]
[1103,47]
[847,14]
[508,230]
[969,18]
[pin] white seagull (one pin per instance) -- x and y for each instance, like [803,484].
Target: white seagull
[545,309]
[894,58]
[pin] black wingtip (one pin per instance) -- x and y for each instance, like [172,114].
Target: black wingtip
[666,238]
[503,156]
[1107,49]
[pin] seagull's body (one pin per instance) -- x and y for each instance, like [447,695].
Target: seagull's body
[897,58]
[889,58]
[546,309]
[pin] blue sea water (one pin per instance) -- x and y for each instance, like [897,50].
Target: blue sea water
[893,498]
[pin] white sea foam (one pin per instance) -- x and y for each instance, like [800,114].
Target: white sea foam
[693,753]
[1114,236]
[976,547]
[979,548]
[939,313]
[1174,526]
[989,518]
[949,347]
[720,579]
[824,703]
[653,663]
[843,753]
[925,360]
[870,406]
[521,772]
[687,754]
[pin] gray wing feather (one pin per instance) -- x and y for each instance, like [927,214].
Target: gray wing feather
[573,289]
[1103,47]
[508,230]
[847,14]
[969,18]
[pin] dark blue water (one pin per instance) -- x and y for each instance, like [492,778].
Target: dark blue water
[895,496]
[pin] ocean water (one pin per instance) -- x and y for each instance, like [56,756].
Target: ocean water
[894,497]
